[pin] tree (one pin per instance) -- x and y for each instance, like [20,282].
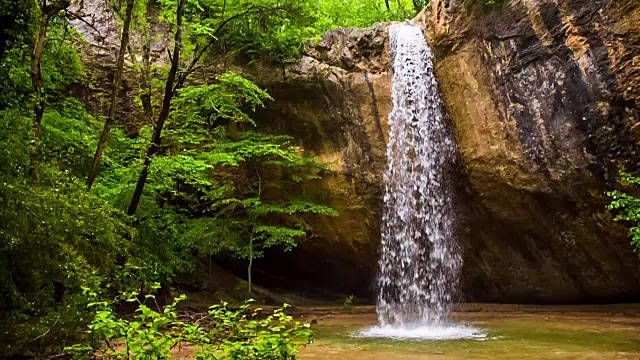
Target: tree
[267,205]
[47,10]
[203,34]
[241,189]
[169,92]
[113,99]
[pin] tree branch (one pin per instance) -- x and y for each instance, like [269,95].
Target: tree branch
[80,17]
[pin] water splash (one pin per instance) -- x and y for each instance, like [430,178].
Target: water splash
[420,260]
[425,332]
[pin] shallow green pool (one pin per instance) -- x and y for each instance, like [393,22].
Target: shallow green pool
[517,335]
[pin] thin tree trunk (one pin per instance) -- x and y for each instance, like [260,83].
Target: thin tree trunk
[113,99]
[165,289]
[253,231]
[38,90]
[46,11]
[164,112]
[250,259]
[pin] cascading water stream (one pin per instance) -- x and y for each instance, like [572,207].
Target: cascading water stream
[420,260]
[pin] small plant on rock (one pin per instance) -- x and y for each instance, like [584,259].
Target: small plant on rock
[626,206]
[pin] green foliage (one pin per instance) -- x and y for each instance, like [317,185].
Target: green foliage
[17,19]
[54,238]
[69,136]
[627,207]
[233,334]
[239,334]
[17,25]
[275,30]
[54,232]
[151,335]
[357,13]
[197,111]
[61,65]
[215,186]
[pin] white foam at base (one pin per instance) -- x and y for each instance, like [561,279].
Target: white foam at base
[424,332]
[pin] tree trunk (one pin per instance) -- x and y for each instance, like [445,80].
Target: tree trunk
[38,90]
[254,224]
[46,11]
[165,291]
[113,99]
[164,112]
[250,261]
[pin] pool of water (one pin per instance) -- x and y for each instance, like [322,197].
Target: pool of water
[608,333]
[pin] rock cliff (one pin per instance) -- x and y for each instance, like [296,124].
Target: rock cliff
[544,100]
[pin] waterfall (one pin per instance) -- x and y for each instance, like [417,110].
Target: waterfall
[420,258]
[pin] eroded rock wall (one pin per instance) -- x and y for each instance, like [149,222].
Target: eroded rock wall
[543,97]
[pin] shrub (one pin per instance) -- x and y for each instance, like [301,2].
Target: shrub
[231,334]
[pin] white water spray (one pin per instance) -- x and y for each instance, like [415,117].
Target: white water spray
[420,260]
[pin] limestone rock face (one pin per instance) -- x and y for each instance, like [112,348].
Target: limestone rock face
[544,99]
[541,94]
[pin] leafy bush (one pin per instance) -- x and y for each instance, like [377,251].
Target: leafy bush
[234,334]
[240,334]
[627,207]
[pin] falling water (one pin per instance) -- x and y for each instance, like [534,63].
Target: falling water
[420,260]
